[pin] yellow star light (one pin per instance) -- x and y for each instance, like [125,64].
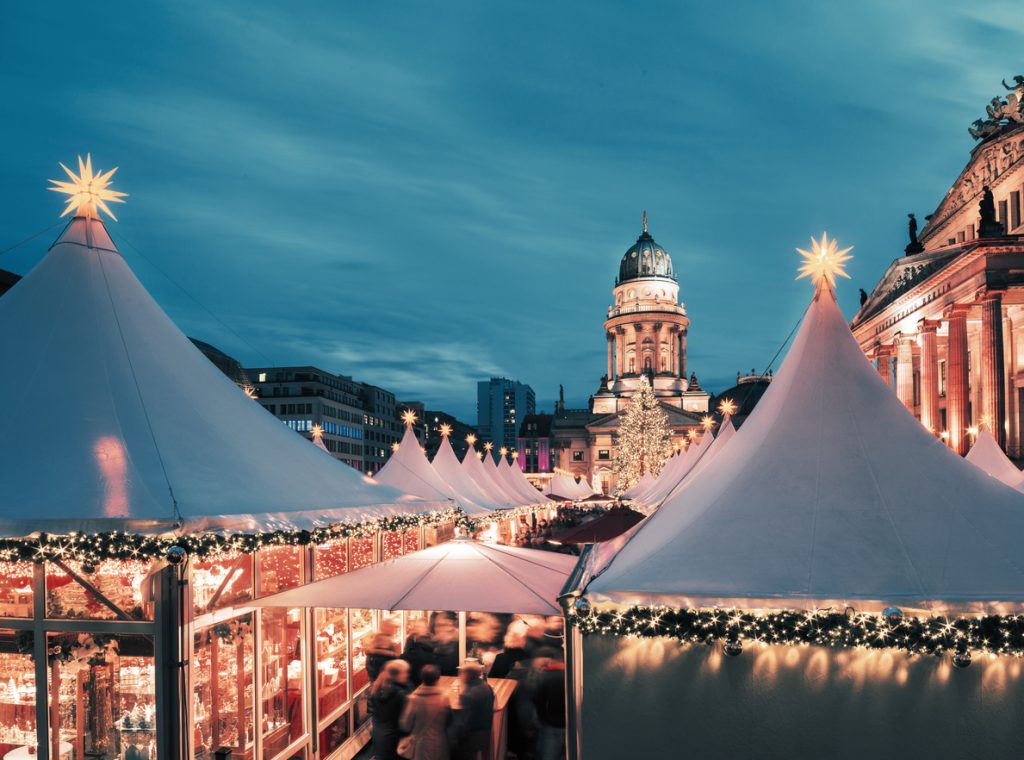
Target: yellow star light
[707,422]
[409,417]
[503,451]
[727,408]
[515,455]
[471,439]
[394,446]
[824,261]
[446,430]
[488,446]
[317,431]
[88,192]
[250,391]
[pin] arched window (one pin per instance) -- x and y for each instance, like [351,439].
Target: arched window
[647,362]
[632,365]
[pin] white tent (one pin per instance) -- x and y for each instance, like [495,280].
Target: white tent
[514,477]
[461,575]
[494,473]
[563,488]
[584,489]
[473,466]
[673,474]
[645,482]
[447,465]
[410,471]
[152,435]
[831,492]
[986,454]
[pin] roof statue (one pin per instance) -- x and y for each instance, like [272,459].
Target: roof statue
[1002,114]
[914,246]
[863,296]
[988,226]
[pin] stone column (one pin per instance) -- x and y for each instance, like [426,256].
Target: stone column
[611,357]
[929,375]
[956,378]
[905,371]
[620,351]
[883,354]
[993,386]
[682,352]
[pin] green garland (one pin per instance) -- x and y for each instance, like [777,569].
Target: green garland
[996,634]
[93,548]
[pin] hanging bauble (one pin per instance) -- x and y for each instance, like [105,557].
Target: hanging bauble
[732,647]
[582,607]
[962,659]
[176,555]
[88,568]
[893,616]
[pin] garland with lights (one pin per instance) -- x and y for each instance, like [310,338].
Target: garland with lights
[92,548]
[959,636]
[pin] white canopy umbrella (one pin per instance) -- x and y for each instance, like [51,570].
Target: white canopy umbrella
[410,471]
[830,493]
[986,454]
[462,575]
[153,437]
[447,465]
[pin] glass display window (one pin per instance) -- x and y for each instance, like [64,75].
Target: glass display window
[17,695]
[79,590]
[331,642]
[334,734]
[391,545]
[220,581]
[360,630]
[361,552]
[330,558]
[223,689]
[16,579]
[280,568]
[283,683]
[104,687]
[411,540]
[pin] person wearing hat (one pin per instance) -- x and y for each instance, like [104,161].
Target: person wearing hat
[471,728]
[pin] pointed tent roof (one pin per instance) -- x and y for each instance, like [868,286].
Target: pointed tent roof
[672,476]
[447,465]
[563,488]
[986,454]
[831,491]
[494,473]
[473,466]
[514,478]
[645,482]
[584,488]
[153,436]
[410,471]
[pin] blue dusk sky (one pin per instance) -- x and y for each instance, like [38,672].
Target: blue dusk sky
[422,195]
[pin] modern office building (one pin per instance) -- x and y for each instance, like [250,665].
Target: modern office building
[501,405]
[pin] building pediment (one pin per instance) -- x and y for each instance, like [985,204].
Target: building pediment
[902,275]
[676,418]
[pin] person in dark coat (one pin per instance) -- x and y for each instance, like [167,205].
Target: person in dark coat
[514,651]
[419,651]
[426,718]
[474,718]
[386,705]
[549,701]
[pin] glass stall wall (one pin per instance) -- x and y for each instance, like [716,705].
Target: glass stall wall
[76,590]
[16,580]
[17,694]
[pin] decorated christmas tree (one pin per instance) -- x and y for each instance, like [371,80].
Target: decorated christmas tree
[645,441]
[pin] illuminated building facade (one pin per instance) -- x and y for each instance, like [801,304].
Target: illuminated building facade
[945,324]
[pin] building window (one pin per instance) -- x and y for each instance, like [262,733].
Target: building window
[942,377]
[577,456]
[604,454]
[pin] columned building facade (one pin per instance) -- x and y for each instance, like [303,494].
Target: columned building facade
[945,324]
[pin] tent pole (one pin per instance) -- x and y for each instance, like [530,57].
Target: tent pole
[462,637]
[573,692]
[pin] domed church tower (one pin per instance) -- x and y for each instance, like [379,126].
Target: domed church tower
[646,332]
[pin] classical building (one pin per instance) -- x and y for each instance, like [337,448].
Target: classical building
[646,330]
[945,324]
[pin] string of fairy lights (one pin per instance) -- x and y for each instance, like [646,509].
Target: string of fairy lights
[938,635]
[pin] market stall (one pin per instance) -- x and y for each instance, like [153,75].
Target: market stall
[835,583]
[130,559]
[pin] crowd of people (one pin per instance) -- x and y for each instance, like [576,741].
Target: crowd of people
[414,716]
[538,533]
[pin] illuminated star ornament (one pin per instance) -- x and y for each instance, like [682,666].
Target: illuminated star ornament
[727,408]
[446,430]
[250,391]
[488,446]
[503,451]
[824,261]
[471,439]
[409,417]
[88,192]
[707,422]
[317,431]
[395,445]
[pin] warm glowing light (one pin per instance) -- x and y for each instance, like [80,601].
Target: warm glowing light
[88,192]
[985,423]
[446,430]
[503,451]
[824,261]
[317,431]
[488,446]
[972,431]
[471,439]
[691,434]
[727,408]
[944,435]
[515,455]
[480,455]
[409,417]
[250,391]
[707,422]
[394,446]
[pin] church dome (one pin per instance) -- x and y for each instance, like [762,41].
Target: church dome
[645,258]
